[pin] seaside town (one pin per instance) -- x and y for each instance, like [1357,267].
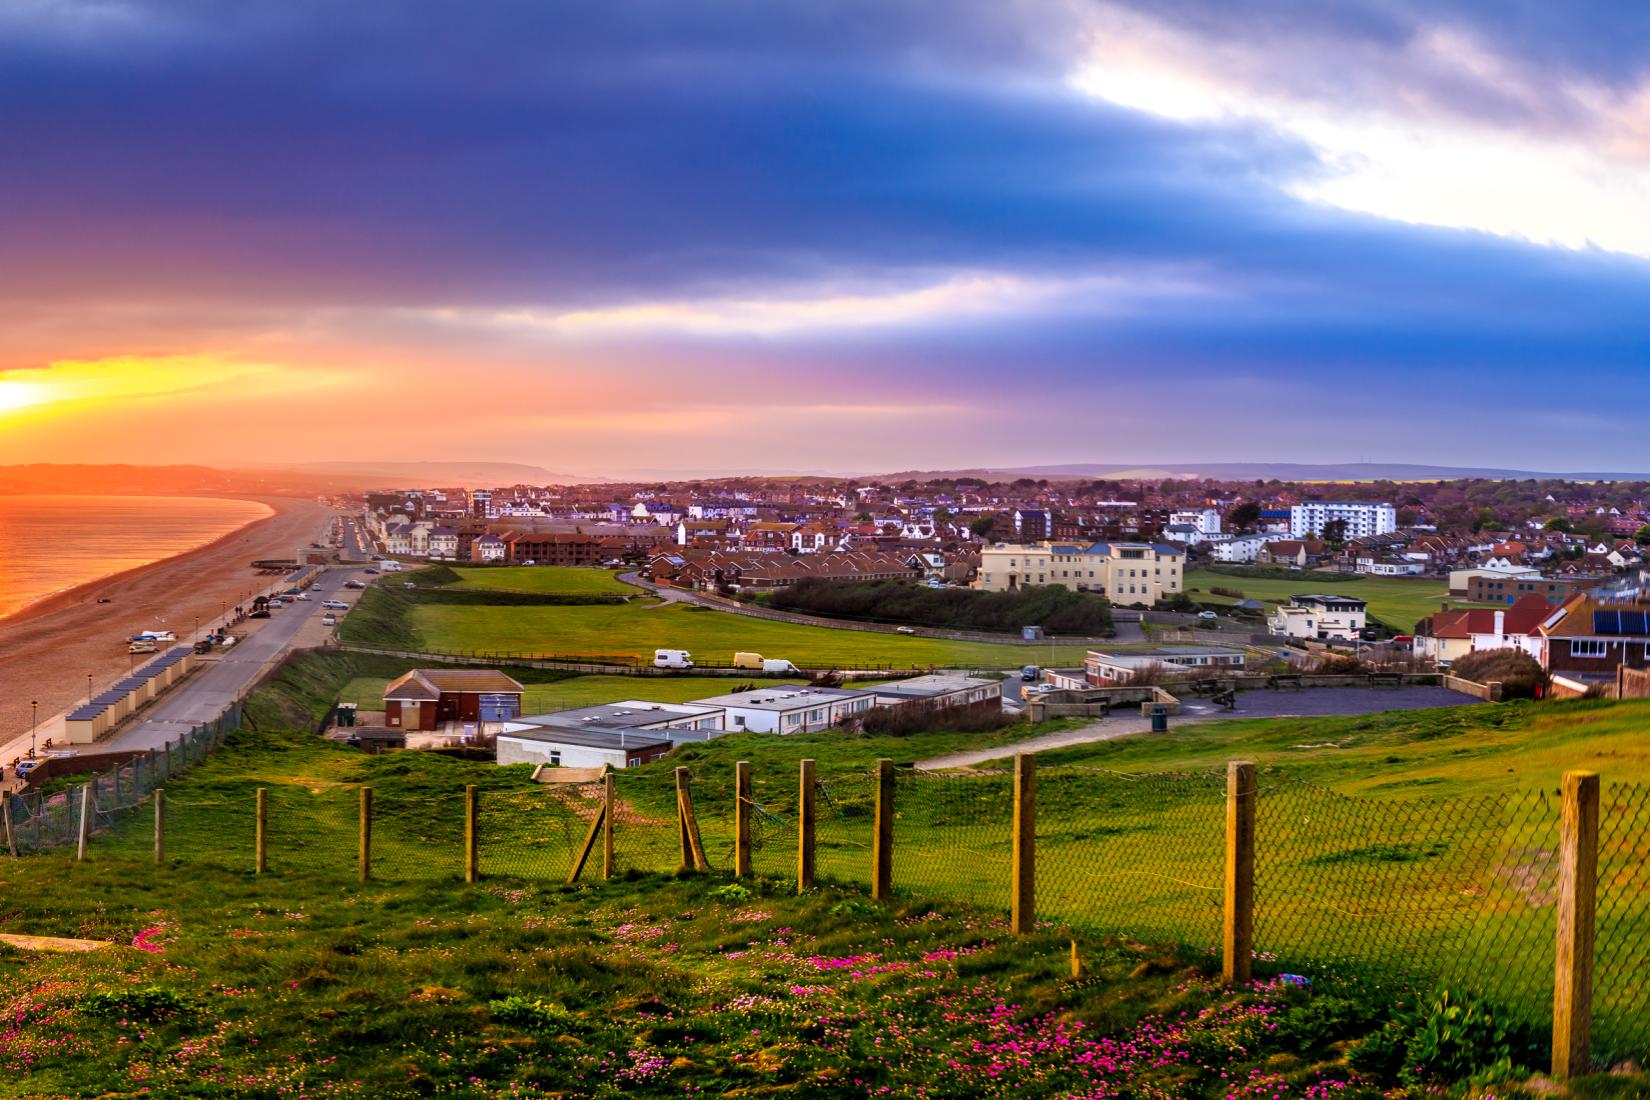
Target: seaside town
[815,549]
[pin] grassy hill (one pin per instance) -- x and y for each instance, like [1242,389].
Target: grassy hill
[1383,874]
[400,619]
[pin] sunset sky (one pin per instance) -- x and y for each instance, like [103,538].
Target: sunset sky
[704,236]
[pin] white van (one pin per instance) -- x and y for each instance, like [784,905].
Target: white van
[672,658]
[771,665]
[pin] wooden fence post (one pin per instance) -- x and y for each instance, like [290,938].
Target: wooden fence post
[160,824]
[365,856]
[1024,909]
[693,848]
[87,794]
[1577,897]
[805,829]
[6,819]
[608,802]
[260,857]
[882,844]
[742,819]
[472,834]
[1239,939]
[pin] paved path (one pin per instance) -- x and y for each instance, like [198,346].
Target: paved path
[207,692]
[1314,702]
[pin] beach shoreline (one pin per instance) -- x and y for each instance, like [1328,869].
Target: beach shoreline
[53,643]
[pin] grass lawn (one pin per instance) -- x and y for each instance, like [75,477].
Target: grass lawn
[561,580]
[1397,601]
[367,692]
[639,627]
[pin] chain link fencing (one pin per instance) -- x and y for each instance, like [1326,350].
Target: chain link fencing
[1461,891]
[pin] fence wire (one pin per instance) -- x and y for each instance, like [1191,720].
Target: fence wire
[1461,890]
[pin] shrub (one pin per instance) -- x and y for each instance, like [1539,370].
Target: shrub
[902,721]
[1057,610]
[1339,664]
[149,1005]
[1519,673]
[531,1014]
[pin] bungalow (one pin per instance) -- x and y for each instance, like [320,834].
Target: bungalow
[1292,553]
[625,734]
[425,698]
[790,710]
[1102,669]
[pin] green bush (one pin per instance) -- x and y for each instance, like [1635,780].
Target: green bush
[531,1014]
[1519,673]
[1448,1038]
[148,1005]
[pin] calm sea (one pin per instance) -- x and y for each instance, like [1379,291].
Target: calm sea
[49,543]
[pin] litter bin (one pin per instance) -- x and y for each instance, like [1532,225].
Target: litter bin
[1160,719]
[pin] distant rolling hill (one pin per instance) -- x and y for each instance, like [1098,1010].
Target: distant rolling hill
[1283,471]
[423,474]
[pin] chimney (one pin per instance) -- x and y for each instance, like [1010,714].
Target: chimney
[1500,623]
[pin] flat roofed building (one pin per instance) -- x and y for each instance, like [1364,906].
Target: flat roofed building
[940,690]
[790,710]
[1325,618]
[1363,519]
[560,747]
[1110,668]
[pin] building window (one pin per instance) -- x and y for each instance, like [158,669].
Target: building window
[1584,647]
[555,758]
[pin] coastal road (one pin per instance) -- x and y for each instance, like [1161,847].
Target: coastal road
[207,692]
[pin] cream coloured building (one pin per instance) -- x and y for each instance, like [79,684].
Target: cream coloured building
[1124,572]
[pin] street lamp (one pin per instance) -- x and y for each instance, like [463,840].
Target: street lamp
[34,722]
[88,687]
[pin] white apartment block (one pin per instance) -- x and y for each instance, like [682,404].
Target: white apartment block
[1205,520]
[1363,520]
[1239,550]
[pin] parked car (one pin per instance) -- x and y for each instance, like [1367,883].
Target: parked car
[370,570]
[24,767]
[301,596]
[355,584]
[1207,616]
[903,630]
[329,620]
[259,615]
[408,584]
[1030,674]
[335,605]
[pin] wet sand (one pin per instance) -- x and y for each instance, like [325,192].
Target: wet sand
[47,649]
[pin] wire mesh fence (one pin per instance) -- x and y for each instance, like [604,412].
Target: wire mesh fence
[1462,891]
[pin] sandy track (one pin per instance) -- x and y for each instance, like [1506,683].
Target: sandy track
[46,652]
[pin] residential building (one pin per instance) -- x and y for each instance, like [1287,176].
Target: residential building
[1596,633]
[1450,635]
[1239,550]
[1124,572]
[1307,520]
[1509,589]
[1325,618]
[1292,553]
[561,747]
[938,690]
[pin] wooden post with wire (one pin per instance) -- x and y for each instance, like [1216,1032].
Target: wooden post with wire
[1024,907]
[693,848]
[1577,898]
[1238,944]
[608,802]
[364,857]
[6,819]
[742,819]
[472,834]
[805,829]
[160,824]
[87,794]
[882,845]
[260,857]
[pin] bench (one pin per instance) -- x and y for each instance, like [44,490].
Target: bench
[1282,680]
[1386,679]
[1226,698]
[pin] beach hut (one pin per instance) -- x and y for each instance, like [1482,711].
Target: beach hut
[83,724]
